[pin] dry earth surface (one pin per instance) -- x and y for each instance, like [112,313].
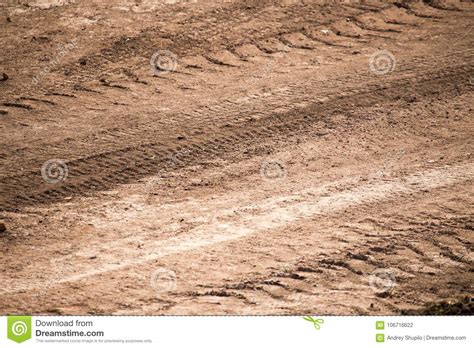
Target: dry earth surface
[289,157]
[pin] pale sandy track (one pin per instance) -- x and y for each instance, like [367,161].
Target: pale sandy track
[274,213]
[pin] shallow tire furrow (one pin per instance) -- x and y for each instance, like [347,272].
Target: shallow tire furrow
[130,163]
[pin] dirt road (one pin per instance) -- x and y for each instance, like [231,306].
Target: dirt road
[245,157]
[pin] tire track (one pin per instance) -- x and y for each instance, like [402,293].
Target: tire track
[226,124]
[206,114]
[99,172]
[249,218]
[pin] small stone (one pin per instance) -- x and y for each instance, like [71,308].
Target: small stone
[196,182]
[181,137]
[104,81]
[3,227]
[4,77]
